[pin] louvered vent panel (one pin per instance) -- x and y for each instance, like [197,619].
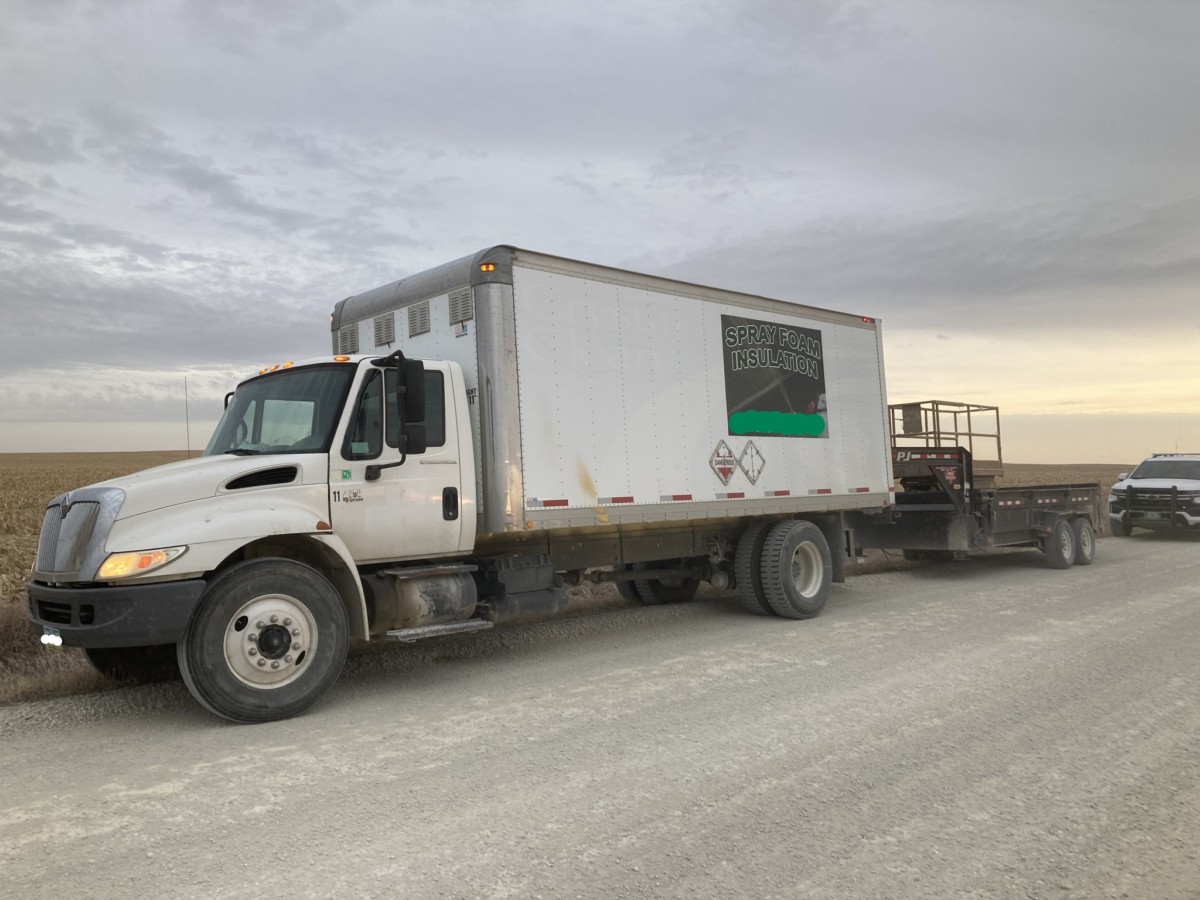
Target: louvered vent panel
[385,329]
[418,319]
[348,339]
[462,306]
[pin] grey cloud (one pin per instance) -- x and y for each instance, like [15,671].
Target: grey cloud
[44,143]
[141,149]
[236,27]
[985,264]
[795,30]
[21,214]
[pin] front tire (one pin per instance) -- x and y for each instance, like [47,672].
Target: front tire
[268,640]
[1120,527]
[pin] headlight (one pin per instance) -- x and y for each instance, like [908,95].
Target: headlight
[139,562]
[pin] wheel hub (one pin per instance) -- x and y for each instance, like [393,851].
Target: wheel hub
[269,639]
[274,641]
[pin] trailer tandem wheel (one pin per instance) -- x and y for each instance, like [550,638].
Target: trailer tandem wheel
[1085,541]
[268,640]
[1059,545]
[797,569]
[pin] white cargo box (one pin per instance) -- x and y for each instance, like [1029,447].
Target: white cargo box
[603,397]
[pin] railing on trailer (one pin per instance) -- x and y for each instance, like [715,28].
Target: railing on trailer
[945,423]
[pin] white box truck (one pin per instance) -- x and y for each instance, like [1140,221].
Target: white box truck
[483,434]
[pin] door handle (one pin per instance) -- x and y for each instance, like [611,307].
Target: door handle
[450,503]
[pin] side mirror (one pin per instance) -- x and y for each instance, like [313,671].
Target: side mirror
[406,409]
[412,438]
[412,388]
[409,411]
[1122,476]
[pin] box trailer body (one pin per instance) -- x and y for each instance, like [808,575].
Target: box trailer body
[601,397]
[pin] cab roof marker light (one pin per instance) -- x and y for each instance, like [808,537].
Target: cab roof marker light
[487,267]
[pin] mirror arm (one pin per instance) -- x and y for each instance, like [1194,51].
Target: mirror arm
[374,470]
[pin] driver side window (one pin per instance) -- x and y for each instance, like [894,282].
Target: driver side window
[364,440]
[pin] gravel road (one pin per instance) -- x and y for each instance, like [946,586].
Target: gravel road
[992,728]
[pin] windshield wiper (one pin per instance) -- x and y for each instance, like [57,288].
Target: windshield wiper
[242,451]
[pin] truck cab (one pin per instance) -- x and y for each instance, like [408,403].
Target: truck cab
[316,471]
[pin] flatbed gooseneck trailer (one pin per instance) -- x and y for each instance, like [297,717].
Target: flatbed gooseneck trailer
[948,505]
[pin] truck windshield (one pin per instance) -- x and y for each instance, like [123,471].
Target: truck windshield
[292,411]
[1168,468]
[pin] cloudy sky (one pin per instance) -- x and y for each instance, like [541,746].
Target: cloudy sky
[1013,186]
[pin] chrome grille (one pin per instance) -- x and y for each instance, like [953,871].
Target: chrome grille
[65,538]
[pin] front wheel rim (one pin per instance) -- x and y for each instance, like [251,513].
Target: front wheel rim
[269,641]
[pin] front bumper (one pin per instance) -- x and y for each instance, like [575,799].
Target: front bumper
[133,615]
[1159,521]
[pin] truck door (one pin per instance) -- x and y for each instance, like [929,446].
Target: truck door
[410,511]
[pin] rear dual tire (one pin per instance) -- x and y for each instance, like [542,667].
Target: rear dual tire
[784,569]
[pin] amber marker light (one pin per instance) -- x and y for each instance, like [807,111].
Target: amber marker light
[487,267]
[341,359]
